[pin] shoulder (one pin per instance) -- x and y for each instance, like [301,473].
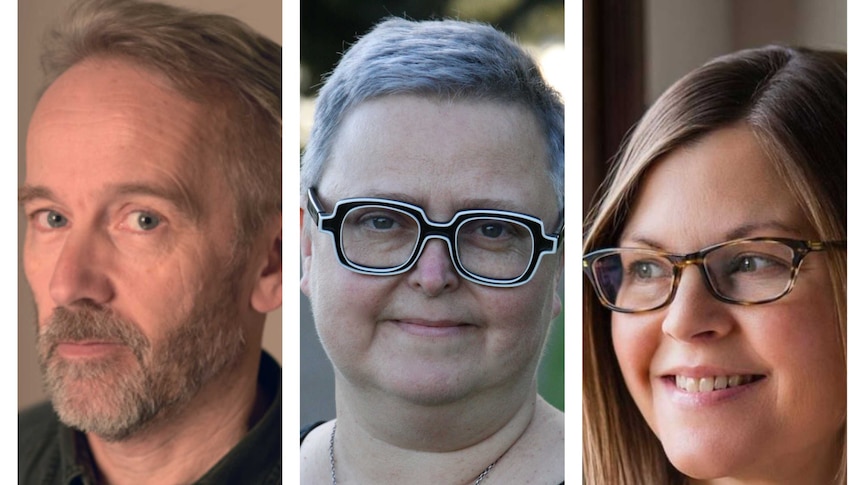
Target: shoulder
[38,440]
[257,457]
[550,421]
[314,466]
[36,425]
[303,432]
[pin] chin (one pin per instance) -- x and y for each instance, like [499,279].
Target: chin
[429,383]
[702,464]
[429,390]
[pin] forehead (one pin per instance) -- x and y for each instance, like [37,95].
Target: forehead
[441,154]
[106,118]
[721,187]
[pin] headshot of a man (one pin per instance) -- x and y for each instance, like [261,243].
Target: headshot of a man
[153,249]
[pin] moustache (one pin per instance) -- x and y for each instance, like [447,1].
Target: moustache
[90,323]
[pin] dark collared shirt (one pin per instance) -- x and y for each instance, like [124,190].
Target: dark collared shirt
[50,453]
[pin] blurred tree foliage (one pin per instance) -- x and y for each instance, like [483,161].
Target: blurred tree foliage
[328,27]
[552,366]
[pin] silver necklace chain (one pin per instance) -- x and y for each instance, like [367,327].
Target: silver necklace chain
[332,461]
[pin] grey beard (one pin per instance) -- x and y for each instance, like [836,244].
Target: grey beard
[114,397]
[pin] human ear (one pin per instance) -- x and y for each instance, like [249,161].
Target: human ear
[305,253]
[266,295]
[558,274]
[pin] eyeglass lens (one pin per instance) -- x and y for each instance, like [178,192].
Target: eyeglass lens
[745,272]
[379,237]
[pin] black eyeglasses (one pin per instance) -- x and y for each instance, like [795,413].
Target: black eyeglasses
[743,271]
[385,237]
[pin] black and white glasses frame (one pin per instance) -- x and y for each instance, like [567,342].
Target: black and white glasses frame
[331,222]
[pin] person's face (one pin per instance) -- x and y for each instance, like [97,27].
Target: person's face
[427,335]
[790,408]
[128,239]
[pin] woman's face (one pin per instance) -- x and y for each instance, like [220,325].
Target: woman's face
[428,336]
[788,419]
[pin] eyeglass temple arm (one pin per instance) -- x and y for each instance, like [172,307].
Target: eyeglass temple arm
[561,227]
[824,245]
[314,210]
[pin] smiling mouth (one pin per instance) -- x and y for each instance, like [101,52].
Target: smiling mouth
[713,383]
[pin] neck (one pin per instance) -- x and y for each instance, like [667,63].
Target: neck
[441,444]
[180,445]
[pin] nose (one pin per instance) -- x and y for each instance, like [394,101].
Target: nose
[434,273]
[695,315]
[79,273]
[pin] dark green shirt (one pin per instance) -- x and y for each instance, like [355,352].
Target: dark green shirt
[50,453]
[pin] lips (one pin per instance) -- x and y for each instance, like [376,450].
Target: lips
[87,349]
[713,383]
[433,328]
[432,323]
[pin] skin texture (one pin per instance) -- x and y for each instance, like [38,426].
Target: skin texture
[783,428]
[110,143]
[395,381]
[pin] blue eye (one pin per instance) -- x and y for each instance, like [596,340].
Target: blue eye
[648,270]
[753,263]
[51,219]
[142,220]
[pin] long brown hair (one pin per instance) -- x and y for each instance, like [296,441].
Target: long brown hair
[795,102]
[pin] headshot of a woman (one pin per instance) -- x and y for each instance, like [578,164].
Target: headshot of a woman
[431,244]
[715,311]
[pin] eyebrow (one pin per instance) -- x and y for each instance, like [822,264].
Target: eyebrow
[27,193]
[740,232]
[180,199]
[468,204]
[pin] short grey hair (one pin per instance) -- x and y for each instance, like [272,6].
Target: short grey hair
[448,59]
[214,60]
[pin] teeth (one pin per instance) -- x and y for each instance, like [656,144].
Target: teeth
[709,384]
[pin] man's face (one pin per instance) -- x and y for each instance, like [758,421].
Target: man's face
[428,336]
[128,248]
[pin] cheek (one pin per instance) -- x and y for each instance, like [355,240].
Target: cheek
[334,288]
[39,266]
[801,343]
[157,293]
[345,305]
[320,280]
[518,318]
[35,269]
[635,343]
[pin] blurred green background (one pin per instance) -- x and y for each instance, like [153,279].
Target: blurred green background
[552,367]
